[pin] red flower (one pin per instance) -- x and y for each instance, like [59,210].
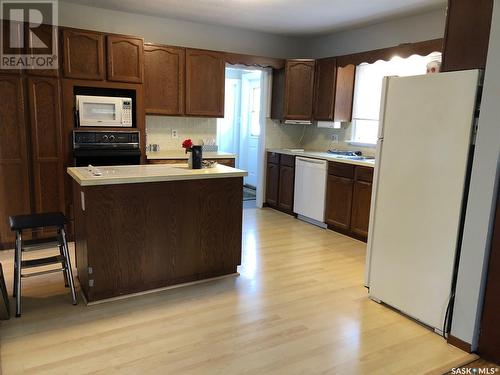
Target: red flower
[187,144]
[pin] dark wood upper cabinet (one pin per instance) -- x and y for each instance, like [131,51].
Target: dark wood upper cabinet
[339,202]
[324,94]
[467,34]
[14,178]
[164,79]
[48,35]
[293,91]
[46,144]
[12,30]
[205,83]
[344,93]
[125,59]
[83,55]
[299,89]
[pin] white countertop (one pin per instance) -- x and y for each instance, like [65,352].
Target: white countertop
[179,154]
[129,174]
[323,156]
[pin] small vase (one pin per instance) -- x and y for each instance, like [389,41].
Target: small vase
[190,160]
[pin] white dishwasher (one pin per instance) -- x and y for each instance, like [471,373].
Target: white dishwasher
[310,190]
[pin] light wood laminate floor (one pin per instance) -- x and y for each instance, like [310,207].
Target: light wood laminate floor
[298,307]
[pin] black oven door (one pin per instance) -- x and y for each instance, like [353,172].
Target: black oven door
[103,157]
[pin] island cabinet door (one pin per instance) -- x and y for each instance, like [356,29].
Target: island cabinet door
[46,144]
[164,80]
[205,83]
[125,59]
[299,89]
[339,202]
[83,55]
[14,179]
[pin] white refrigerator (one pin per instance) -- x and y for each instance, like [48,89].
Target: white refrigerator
[425,136]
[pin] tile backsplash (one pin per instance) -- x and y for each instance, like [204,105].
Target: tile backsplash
[310,137]
[159,130]
[278,135]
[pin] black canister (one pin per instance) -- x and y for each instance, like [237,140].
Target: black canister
[197,157]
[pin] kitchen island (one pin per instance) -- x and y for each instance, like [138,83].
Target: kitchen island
[146,227]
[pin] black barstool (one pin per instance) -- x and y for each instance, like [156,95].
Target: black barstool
[45,220]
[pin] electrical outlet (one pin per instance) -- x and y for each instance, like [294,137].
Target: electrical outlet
[335,138]
[175,134]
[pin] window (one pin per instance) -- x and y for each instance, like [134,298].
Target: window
[368,91]
[255,112]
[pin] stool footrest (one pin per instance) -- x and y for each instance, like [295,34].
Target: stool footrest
[48,243]
[42,261]
[42,272]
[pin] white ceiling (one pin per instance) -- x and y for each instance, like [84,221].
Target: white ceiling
[290,17]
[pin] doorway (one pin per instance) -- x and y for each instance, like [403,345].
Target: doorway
[242,129]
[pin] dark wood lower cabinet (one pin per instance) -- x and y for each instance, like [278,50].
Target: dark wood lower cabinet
[489,338]
[31,151]
[280,181]
[339,202]
[272,184]
[14,161]
[348,199]
[286,186]
[361,208]
[136,237]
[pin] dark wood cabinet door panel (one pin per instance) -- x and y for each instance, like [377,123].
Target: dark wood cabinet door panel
[341,169]
[286,187]
[164,79]
[12,35]
[299,89]
[48,34]
[14,178]
[272,184]
[83,55]
[339,202]
[273,157]
[288,160]
[125,59]
[364,174]
[467,34]
[205,83]
[489,343]
[46,143]
[324,94]
[361,208]
[344,93]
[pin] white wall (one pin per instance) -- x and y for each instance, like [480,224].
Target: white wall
[482,199]
[176,32]
[425,26]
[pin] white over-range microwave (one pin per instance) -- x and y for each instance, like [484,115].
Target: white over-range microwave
[104,111]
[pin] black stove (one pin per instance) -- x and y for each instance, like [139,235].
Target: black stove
[106,147]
